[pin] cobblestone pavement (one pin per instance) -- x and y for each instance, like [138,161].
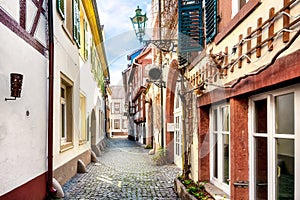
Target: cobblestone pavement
[124,171]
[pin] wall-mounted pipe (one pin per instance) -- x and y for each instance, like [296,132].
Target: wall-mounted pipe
[51,190]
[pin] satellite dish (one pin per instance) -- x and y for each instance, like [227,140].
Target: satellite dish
[154,73]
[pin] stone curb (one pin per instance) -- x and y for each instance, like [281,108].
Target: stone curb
[181,191]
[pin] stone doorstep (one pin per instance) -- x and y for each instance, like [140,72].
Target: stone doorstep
[215,192]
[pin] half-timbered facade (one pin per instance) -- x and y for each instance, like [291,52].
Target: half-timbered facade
[59,109]
[140,111]
[23,119]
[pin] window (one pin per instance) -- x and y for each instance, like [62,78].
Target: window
[70,13]
[273,149]
[237,6]
[66,109]
[220,145]
[117,108]
[178,129]
[177,136]
[76,22]
[60,6]
[83,119]
[95,62]
[63,103]
[116,124]
[124,124]
[84,37]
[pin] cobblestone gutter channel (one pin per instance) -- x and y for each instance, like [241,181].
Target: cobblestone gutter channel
[123,171]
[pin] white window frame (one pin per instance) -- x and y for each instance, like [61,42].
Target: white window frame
[178,130]
[83,118]
[236,7]
[63,103]
[115,120]
[124,124]
[119,108]
[271,137]
[219,181]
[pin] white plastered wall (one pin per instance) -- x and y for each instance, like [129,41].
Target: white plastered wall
[23,139]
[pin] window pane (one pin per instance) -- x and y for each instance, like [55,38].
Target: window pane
[62,92]
[215,120]
[261,168]
[226,158]
[117,107]
[285,159]
[261,119]
[284,114]
[63,120]
[242,3]
[225,119]
[215,153]
[124,123]
[117,124]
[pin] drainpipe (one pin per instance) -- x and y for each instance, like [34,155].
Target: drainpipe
[51,190]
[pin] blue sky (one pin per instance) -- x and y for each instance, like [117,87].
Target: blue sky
[120,39]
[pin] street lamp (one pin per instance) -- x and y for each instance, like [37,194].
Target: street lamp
[139,23]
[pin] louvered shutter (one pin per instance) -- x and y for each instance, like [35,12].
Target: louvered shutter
[86,40]
[190,26]
[76,22]
[211,13]
[60,6]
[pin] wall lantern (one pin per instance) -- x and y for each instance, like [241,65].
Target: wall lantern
[139,23]
[16,81]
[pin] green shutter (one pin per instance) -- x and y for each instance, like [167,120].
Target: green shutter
[60,6]
[76,22]
[211,14]
[190,26]
[86,39]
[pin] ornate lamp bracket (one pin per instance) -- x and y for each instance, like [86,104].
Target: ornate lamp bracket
[163,45]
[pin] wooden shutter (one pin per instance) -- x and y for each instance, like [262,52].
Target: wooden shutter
[190,25]
[211,14]
[60,6]
[76,22]
[86,40]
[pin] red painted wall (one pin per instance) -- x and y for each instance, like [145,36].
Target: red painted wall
[33,190]
[203,144]
[239,154]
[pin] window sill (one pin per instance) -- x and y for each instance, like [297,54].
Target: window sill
[237,19]
[68,33]
[66,146]
[82,142]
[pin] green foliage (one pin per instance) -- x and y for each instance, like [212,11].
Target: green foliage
[187,182]
[148,147]
[196,189]
[192,190]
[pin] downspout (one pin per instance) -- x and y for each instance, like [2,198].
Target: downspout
[51,190]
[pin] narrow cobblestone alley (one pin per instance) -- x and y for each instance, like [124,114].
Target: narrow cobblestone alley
[123,171]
